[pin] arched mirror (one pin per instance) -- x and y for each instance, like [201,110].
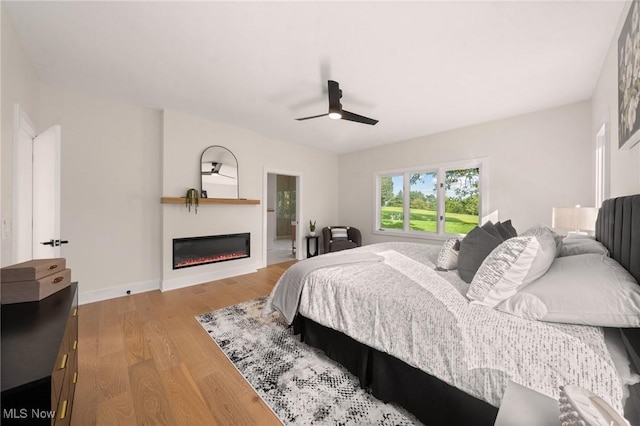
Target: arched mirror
[219,173]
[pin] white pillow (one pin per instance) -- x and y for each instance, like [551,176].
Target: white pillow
[510,266]
[542,230]
[589,289]
[448,256]
[572,246]
[339,233]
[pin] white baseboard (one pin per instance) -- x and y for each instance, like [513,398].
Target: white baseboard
[176,283]
[91,296]
[119,291]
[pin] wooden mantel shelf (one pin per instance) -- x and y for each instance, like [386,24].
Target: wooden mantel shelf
[182,200]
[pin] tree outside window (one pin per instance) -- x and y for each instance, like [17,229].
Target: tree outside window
[391,202]
[462,201]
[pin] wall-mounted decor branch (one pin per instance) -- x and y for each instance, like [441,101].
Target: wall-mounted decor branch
[192,199]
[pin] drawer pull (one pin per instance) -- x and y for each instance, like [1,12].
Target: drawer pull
[75,378]
[75,345]
[63,410]
[58,279]
[63,364]
[75,312]
[53,267]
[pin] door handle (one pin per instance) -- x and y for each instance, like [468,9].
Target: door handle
[55,243]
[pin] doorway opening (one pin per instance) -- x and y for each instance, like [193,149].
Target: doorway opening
[282,217]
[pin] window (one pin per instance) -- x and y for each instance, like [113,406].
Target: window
[462,200]
[392,215]
[430,200]
[423,202]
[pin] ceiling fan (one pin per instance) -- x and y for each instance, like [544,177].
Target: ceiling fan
[335,108]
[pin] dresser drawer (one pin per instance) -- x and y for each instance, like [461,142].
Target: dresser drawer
[72,327]
[67,358]
[30,291]
[64,404]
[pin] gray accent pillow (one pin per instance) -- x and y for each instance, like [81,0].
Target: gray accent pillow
[491,228]
[511,266]
[473,249]
[448,256]
[589,289]
[509,227]
[573,246]
[505,231]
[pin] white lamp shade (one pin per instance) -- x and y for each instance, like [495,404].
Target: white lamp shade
[576,218]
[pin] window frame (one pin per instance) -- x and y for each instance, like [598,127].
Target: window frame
[439,169]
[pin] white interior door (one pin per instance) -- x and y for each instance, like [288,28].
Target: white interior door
[46,194]
[36,190]
[23,187]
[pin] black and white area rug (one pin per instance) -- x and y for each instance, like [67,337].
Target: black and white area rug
[299,383]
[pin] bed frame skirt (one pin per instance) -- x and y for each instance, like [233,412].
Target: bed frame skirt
[431,400]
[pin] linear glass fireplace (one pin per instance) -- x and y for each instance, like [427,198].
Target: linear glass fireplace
[214,248]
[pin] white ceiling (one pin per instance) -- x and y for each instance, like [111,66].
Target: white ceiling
[418,67]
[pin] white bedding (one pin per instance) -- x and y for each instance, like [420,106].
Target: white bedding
[403,307]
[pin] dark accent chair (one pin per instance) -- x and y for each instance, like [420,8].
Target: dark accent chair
[353,240]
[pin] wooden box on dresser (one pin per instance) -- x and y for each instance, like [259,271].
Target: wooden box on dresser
[39,359]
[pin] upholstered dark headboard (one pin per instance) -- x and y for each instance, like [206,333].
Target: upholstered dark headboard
[618,228]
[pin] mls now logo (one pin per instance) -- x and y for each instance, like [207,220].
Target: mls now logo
[23,413]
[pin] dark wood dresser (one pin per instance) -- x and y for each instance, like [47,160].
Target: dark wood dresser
[39,359]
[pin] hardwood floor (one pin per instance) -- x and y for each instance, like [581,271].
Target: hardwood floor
[145,360]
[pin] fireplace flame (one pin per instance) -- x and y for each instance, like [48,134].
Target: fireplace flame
[211,259]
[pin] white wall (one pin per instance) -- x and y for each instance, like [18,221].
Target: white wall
[19,85]
[110,183]
[536,161]
[624,164]
[113,178]
[185,137]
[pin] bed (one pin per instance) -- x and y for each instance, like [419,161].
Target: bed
[410,335]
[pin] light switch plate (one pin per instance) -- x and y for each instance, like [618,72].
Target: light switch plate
[6,229]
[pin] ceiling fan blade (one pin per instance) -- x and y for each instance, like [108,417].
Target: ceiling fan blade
[346,115]
[334,95]
[313,116]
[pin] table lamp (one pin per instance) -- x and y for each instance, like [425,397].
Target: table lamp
[580,220]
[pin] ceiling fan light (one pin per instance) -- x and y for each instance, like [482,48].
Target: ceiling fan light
[335,115]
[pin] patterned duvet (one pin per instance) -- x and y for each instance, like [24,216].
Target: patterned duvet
[403,307]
